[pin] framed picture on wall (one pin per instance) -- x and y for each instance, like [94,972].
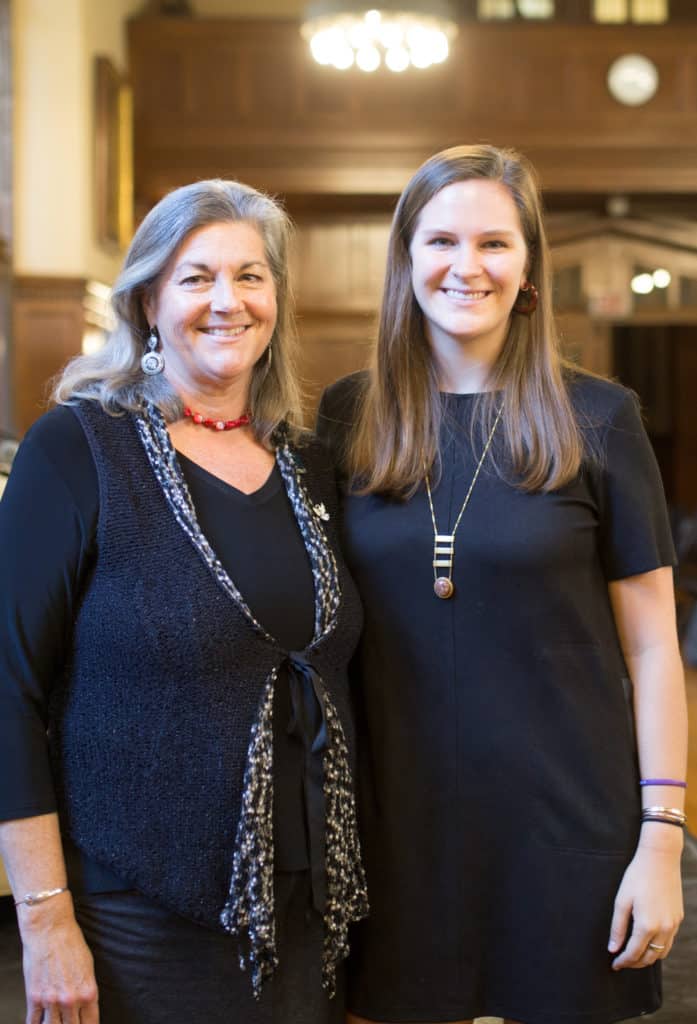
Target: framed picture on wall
[113,155]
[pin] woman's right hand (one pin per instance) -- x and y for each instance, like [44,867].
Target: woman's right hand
[58,969]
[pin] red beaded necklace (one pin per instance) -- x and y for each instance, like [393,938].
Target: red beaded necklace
[204,421]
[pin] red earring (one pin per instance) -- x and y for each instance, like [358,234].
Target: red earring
[526,303]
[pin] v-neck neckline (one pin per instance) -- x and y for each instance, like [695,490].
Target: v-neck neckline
[152,429]
[270,487]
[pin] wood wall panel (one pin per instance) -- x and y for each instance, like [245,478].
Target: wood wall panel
[587,342]
[338,264]
[48,324]
[333,345]
[337,267]
[243,97]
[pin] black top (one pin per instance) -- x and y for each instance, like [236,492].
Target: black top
[498,783]
[48,518]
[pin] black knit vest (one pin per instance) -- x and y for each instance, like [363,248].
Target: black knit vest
[150,724]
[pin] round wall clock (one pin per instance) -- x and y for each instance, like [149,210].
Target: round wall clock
[632,79]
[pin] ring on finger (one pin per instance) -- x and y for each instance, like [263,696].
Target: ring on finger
[656,946]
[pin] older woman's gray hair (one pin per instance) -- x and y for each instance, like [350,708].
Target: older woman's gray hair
[113,375]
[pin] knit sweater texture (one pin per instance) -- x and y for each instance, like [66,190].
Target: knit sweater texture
[151,721]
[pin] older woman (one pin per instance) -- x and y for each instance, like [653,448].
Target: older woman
[522,712]
[176,622]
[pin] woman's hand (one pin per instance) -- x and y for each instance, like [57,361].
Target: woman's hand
[58,970]
[650,896]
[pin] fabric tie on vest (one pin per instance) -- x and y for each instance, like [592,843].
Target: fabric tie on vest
[308,723]
[339,885]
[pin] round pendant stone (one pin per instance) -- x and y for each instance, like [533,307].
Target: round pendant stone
[443,588]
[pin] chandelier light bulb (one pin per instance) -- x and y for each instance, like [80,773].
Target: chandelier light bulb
[343,57]
[642,284]
[368,58]
[322,47]
[360,34]
[391,35]
[397,59]
[661,278]
[415,36]
[439,47]
[421,57]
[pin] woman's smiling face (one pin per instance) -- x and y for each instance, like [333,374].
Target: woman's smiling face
[468,260]
[215,308]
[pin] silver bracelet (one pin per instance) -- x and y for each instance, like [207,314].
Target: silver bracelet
[663,810]
[672,814]
[32,898]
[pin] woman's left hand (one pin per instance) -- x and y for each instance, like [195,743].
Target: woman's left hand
[650,897]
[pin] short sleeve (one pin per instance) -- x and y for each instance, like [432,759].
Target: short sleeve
[635,535]
[336,417]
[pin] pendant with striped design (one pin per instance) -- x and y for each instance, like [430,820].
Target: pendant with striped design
[444,543]
[443,554]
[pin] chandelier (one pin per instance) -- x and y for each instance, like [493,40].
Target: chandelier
[400,34]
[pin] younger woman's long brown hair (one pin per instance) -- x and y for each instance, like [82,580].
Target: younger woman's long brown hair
[399,419]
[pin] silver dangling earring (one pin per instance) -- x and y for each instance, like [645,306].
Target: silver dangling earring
[269,357]
[152,361]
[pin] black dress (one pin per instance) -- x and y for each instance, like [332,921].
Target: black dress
[499,796]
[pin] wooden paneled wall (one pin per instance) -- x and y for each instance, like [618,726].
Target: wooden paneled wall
[338,263]
[337,266]
[47,327]
[333,345]
[243,98]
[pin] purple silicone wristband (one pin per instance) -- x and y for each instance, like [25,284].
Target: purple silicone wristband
[663,782]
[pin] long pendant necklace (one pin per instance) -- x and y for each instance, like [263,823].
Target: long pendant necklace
[444,543]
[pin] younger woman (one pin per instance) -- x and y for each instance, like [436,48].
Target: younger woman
[520,692]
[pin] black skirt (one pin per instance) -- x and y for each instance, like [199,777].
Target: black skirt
[155,967]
